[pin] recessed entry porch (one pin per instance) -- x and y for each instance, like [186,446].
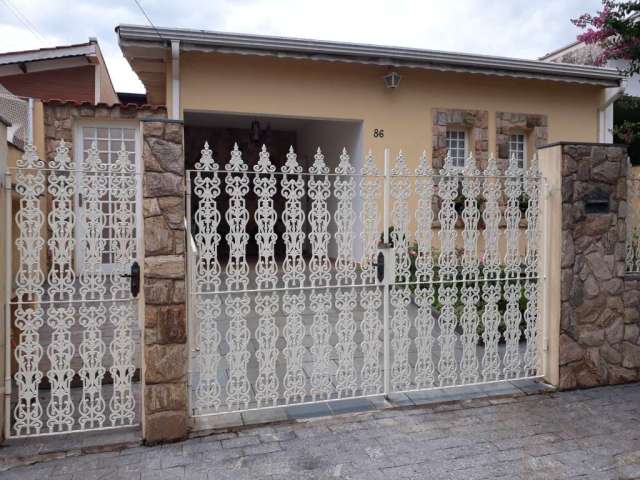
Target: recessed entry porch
[251,131]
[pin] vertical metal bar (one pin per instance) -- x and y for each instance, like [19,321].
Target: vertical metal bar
[188,288]
[140,256]
[385,300]
[7,314]
[546,266]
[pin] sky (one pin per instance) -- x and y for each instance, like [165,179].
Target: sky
[512,28]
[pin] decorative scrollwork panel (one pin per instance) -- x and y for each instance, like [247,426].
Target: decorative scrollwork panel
[297,314]
[73,311]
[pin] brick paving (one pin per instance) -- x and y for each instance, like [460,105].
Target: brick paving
[588,434]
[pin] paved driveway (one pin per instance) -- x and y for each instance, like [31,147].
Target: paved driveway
[590,434]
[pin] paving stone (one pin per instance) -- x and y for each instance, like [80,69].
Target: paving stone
[254,417]
[308,411]
[240,442]
[277,436]
[261,449]
[592,435]
[425,397]
[350,406]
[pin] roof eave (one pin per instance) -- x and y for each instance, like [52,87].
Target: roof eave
[82,50]
[361,53]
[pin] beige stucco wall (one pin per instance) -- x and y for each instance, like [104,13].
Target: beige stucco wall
[107,93]
[319,89]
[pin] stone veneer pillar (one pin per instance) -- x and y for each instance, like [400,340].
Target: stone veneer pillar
[165,340]
[599,311]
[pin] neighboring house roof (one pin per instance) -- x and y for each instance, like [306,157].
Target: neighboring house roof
[577,53]
[28,61]
[144,47]
[585,53]
[560,51]
[87,49]
[14,65]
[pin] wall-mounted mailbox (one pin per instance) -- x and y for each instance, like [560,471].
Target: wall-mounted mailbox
[596,202]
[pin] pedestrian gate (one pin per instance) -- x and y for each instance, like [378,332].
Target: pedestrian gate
[365,281]
[71,310]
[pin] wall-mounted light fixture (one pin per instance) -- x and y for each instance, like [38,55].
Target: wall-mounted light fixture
[392,80]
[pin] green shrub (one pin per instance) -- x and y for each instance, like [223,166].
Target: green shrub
[459,306]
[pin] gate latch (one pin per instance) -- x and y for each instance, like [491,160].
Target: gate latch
[134,277]
[379,264]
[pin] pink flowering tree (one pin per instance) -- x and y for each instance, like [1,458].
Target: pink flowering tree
[615,30]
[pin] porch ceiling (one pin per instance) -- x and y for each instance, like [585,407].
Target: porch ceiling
[149,62]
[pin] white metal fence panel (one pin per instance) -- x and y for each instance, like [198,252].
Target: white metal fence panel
[458,304]
[73,328]
[18,112]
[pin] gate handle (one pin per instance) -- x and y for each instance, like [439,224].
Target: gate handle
[379,264]
[135,279]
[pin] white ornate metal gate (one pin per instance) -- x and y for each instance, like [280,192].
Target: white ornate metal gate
[72,328]
[456,302]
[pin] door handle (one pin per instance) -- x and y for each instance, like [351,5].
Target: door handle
[134,279]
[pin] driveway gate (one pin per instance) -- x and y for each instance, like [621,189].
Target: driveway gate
[71,310]
[368,282]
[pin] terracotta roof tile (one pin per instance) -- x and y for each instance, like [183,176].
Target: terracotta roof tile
[132,106]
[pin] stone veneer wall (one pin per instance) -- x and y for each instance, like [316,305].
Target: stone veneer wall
[475,122]
[59,118]
[533,126]
[600,309]
[165,336]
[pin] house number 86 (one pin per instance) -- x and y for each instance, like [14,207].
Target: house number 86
[378,133]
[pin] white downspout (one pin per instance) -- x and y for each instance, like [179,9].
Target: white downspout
[605,113]
[175,80]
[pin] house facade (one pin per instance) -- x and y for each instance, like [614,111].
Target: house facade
[319,90]
[161,281]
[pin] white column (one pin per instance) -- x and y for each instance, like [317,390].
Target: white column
[175,80]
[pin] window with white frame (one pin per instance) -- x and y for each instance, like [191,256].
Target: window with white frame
[457,146]
[518,148]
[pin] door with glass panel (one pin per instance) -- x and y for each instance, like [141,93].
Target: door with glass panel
[109,141]
[72,313]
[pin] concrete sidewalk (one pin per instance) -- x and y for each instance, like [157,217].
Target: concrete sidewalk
[589,434]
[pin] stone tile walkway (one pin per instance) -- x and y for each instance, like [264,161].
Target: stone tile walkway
[589,434]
